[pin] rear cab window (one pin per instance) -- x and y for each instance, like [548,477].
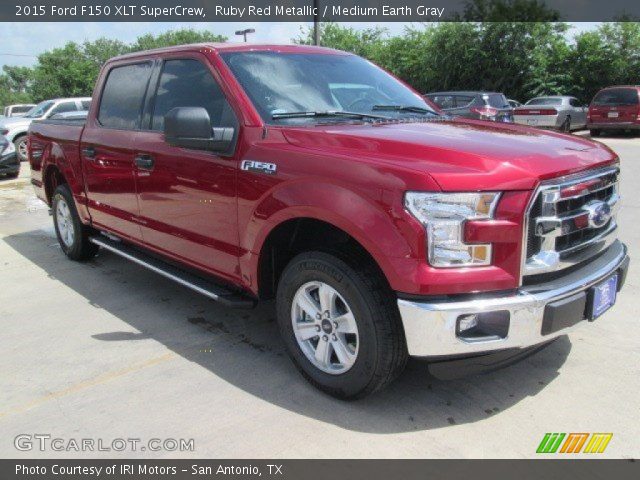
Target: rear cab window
[123,95]
[616,96]
[443,101]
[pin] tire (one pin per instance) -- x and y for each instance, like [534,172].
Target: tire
[377,351]
[566,125]
[72,235]
[20,144]
[12,175]
[594,133]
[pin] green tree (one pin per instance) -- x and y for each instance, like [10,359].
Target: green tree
[175,37]
[366,43]
[63,72]
[13,85]
[72,70]
[607,56]
[507,11]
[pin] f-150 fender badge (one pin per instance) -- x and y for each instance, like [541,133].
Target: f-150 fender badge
[259,167]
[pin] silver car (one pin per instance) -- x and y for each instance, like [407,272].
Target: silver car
[560,112]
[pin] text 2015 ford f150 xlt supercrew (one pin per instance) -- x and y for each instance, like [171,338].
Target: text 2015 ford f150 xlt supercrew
[382,228]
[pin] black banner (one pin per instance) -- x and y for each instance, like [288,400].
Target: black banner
[321,10]
[320,469]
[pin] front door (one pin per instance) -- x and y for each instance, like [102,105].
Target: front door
[107,150]
[187,197]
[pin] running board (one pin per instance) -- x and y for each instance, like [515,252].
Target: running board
[189,280]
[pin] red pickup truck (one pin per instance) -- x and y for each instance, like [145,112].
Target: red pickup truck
[383,228]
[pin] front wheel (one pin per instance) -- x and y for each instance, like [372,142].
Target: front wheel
[72,235]
[20,145]
[340,324]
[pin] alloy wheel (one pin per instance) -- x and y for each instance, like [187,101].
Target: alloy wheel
[325,328]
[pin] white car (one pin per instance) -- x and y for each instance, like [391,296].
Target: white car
[14,129]
[17,110]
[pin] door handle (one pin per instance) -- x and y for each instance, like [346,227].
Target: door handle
[144,161]
[89,152]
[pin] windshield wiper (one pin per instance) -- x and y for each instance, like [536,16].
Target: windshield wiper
[327,113]
[403,108]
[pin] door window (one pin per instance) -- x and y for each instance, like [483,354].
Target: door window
[64,107]
[188,83]
[463,100]
[122,96]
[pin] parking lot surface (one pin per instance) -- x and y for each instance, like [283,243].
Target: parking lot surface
[107,350]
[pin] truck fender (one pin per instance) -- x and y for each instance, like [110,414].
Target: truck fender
[363,218]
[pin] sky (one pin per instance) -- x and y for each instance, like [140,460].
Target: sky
[20,43]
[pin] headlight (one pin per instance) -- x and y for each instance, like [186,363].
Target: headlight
[444,215]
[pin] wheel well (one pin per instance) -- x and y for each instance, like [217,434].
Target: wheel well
[52,179]
[295,236]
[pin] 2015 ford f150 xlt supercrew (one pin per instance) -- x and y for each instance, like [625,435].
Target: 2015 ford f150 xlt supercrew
[382,228]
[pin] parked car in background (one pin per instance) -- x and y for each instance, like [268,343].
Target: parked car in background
[514,103]
[9,164]
[17,110]
[479,105]
[15,129]
[561,112]
[614,108]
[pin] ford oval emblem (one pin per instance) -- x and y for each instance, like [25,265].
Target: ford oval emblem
[599,213]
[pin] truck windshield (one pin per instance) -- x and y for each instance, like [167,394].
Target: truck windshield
[280,84]
[39,110]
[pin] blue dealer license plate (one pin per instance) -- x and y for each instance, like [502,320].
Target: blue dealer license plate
[604,296]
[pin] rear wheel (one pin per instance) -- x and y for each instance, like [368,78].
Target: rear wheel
[72,235]
[594,132]
[566,125]
[340,324]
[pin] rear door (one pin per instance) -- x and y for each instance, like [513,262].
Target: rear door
[107,149]
[187,197]
[615,106]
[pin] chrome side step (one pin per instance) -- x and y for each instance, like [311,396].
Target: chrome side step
[189,280]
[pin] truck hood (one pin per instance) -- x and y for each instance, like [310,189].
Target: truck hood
[15,122]
[460,154]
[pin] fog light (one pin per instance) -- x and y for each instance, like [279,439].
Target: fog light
[466,322]
[483,326]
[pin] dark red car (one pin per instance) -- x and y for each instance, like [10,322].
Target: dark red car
[382,228]
[614,108]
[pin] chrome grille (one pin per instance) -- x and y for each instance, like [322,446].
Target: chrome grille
[570,220]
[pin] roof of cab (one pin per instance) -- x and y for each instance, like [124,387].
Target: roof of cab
[233,47]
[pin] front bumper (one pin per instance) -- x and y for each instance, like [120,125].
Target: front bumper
[430,327]
[9,163]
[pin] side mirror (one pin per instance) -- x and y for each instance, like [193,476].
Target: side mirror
[190,127]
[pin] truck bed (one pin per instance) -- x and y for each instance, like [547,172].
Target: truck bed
[51,139]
